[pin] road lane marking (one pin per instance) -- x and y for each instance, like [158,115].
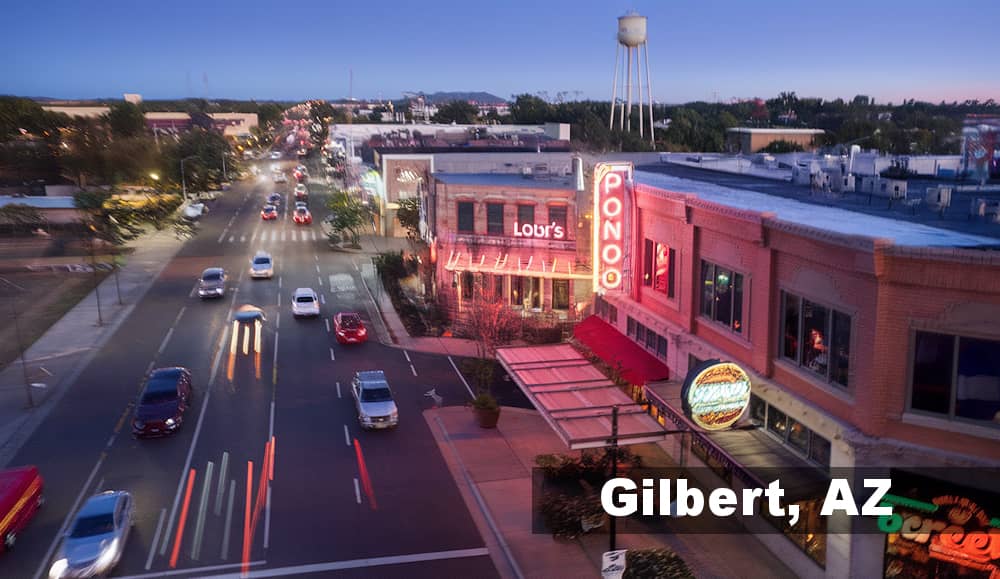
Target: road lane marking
[471,395]
[279,300]
[223,236]
[178,318]
[150,367]
[270,427]
[366,479]
[267,518]
[229,520]
[412,369]
[332,357]
[222,483]
[254,236]
[166,339]
[322,299]
[314,236]
[295,236]
[316,257]
[357,491]
[327,321]
[246,517]
[180,524]
[156,538]
[194,289]
[338,389]
[407,354]
[243,238]
[277,321]
[199,527]
[347,436]
[100,484]
[192,570]
[232,238]
[357,564]
[121,419]
[279,282]
[317,269]
[111,441]
[42,568]
[320,280]
[283,234]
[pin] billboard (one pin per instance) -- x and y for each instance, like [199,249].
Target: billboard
[981,148]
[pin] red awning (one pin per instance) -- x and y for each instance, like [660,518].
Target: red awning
[636,364]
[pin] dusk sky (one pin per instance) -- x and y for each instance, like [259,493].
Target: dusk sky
[699,50]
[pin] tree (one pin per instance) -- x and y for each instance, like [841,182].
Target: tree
[458,112]
[349,215]
[269,114]
[530,110]
[207,149]
[111,220]
[126,120]
[409,216]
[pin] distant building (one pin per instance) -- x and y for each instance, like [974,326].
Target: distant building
[748,140]
[230,124]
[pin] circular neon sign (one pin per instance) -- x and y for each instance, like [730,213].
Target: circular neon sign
[716,395]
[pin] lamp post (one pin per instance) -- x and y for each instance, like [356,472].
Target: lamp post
[20,343]
[183,180]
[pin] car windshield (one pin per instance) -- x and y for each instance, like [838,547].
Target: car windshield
[301,210]
[212,276]
[350,323]
[262,261]
[378,394]
[158,395]
[269,209]
[93,525]
[304,299]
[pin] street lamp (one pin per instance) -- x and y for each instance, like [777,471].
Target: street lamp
[183,181]
[20,343]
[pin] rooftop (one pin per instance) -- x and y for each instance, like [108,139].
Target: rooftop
[775,131]
[512,180]
[835,215]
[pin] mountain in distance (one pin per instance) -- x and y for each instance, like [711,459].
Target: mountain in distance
[439,98]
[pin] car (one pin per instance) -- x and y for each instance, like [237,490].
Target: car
[248,314]
[305,302]
[302,216]
[275,154]
[165,397]
[274,199]
[279,177]
[261,265]
[301,191]
[96,538]
[212,283]
[20,498]
[269,213]
[373,400]
[194,211]
[301,204]
[349,328]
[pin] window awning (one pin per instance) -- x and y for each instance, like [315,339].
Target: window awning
[575,398]
[522,263]
[635,364]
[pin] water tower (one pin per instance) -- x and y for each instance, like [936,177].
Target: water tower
[631,38]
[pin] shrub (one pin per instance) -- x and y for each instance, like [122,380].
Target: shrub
[654,564]
[569,516]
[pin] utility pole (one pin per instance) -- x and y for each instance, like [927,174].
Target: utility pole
[20,342]
[97,286]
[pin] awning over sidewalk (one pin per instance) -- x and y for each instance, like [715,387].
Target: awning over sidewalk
[575,398]
[637,365]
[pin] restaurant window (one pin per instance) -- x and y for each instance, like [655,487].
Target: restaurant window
[790,432]
[516,290]
[648,259]
[630,327]
[467,284]
[663,270]
[758,410]
[600,307]
[558,215]
[661,347]
[722,296]
[956,377]
[498,287]
[819,449]
[560,294]
[816,337]
[494,218]
[640,333]
[651,339]
[798,435]
[525,214]
[777,422]
[533,298]
[466,217]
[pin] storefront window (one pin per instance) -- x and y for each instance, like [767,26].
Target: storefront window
[651,340]
[840,354]
[612,314]
[661,273]
[534,297]
[525,214]
[816,343]
[560,294]
[758,410]
[661,347]
[494,218]
[722,296]
[640,333]
[798,435]
[648,258]
[816,337]
[630,327]
[557,215]
[466,217]
[467,284]
[790,338]
[498,287]
[517,291]
[819,449]
[777,421]
[957,376]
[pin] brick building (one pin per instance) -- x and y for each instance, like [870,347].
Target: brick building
[870,342]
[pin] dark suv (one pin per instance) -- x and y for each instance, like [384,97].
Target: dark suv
[165,397]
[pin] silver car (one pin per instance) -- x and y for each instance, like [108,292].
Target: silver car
[262,266]
[95,541]
[305,302]
[373,400]
[212,283]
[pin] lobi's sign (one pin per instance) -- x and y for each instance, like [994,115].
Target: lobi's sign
[610,182]
[550,231]
[716,394]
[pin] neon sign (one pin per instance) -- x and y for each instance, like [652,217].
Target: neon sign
[610,180]
[550,231]
[717,395]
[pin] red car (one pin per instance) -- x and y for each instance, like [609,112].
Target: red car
[349,328]
[269,213]
[165,397]
[20,497]
[302,216]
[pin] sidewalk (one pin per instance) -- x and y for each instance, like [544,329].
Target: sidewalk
[60,355]
[492,469]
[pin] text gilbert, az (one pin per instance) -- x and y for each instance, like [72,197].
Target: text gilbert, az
[621,497]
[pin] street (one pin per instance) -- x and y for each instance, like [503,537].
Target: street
[335,499]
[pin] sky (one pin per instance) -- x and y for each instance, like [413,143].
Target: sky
[712,50]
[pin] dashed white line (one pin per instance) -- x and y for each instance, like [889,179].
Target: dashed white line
[407,354]
[223,236]
[327,322]
[199,528]
[270,426]
[347,436]
[277,320]
[267,517]
[317,268]
[166,339]
[338,390]
[111,441]
[156,539]
[412,369]
[322,299]
[357,491]
[243,238]
[232,238]
[320,280]
[254,236]
[316,257]
[279,282]
[222,483]
[332,357]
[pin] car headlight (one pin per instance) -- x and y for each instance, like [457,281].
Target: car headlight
[394,414]
[58,568]
[107,556]
[170,422]
[366,418]
[138,423]
[362,332]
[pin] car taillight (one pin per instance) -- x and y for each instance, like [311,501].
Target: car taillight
[362,331]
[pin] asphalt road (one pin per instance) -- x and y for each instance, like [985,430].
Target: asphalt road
[341,502]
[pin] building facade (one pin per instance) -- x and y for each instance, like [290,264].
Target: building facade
[864,352]
[513,238]
[748,140]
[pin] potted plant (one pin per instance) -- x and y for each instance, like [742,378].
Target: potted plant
[486,409]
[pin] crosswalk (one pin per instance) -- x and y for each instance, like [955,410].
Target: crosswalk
[274,235]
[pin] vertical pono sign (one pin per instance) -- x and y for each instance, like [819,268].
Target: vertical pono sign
[716,394]
[610,181]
